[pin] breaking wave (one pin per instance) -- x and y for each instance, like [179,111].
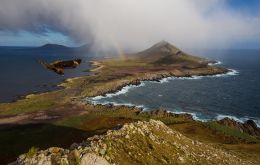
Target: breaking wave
[216,63]
[232,72]
[125,89]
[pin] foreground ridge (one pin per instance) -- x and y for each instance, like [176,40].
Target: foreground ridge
[150,142]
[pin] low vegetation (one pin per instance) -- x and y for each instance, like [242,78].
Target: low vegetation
[149,142]
[232,132]
[32,152]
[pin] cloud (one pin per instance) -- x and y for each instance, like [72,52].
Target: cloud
[133,24]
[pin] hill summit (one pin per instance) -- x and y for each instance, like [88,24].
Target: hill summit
[162,47]
[164,53]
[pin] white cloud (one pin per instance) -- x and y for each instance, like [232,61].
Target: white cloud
[133,24]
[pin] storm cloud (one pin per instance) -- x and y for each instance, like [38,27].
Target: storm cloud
[133,24]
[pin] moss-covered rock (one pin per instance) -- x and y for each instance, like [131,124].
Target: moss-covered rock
[143,142]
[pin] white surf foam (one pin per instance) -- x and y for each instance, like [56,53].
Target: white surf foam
[216,63]
[220,117]
[117,104]
[124,90]
[166,80]
[257,122]
[231,72]
[98,99]
[193,114]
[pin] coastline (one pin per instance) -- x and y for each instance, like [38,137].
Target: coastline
[160,77]
[40,120]
[98,66]
[123,88]
[163,79]
[157,78]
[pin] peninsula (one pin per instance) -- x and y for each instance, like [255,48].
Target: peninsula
[63,117]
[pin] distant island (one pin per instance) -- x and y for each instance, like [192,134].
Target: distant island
[65,118]
[53,47]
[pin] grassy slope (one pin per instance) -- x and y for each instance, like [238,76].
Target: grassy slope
[154,143]
[76,129]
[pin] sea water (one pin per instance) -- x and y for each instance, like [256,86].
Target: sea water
[235,94]
[21,74]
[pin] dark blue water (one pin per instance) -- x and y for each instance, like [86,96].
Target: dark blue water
[235,95]
[20,73]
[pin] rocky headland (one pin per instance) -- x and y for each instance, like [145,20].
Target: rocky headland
[248,126]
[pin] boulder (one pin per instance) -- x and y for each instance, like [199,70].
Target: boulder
[93,159]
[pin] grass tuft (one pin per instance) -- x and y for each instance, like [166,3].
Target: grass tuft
[32,151]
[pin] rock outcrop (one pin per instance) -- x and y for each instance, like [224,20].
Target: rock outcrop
[60,65]
[248,126]
[149,142]
[163,112]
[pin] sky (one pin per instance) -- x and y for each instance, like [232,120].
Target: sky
[131,24]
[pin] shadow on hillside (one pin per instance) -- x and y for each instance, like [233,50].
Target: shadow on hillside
[18,139]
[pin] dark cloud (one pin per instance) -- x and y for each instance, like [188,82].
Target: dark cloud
[132,24]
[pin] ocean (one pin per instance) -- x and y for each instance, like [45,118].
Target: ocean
[21,74]
[235,95]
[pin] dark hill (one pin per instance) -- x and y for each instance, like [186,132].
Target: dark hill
[160,48]
[166,53]
[54,47]
[62,48]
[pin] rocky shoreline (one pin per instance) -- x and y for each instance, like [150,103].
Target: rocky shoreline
[157,77]
[248,126]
